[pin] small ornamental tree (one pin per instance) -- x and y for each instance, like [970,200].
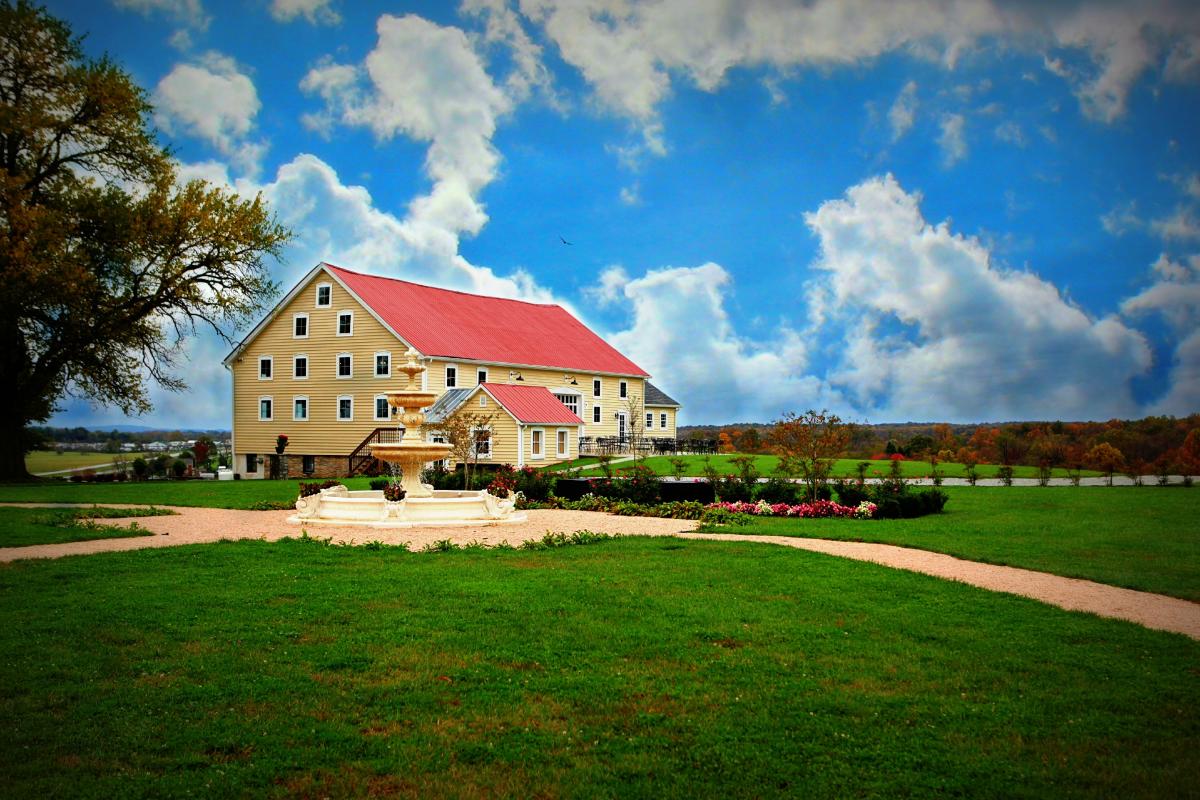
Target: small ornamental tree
[465,432]
[1105,458]
[808,444]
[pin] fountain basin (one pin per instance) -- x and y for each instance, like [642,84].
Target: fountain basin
[370,509]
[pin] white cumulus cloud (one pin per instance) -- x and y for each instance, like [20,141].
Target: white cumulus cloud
[952,140]
[1175,295]
[317,12]
[680,332]
[903,111]
[211,99]
[932,326]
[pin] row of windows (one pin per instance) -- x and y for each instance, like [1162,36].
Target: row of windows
[481,376]
[302,408]
[662,420]
[344,327]
[343,366]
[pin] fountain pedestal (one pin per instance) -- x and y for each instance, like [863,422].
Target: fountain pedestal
[422,505]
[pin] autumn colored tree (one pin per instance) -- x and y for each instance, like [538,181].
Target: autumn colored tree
[1106,458]
[983,442]
[808,444]
[470,435]
[1189,453]
[108,264]
[944,438]
[724,442]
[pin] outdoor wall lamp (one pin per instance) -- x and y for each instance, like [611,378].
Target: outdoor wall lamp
[570,379]
[514,376]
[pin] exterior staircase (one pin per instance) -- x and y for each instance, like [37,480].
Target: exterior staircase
[361,460]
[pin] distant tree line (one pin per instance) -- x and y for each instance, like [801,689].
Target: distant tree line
[1145,446]
[45,436]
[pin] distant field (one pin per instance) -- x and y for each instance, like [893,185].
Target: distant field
[50,461]
[844,467]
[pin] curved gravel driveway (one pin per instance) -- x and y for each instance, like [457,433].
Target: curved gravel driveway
[203,525]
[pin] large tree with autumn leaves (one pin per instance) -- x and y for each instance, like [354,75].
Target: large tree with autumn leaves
[107,262]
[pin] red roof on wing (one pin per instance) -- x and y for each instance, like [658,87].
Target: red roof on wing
[445,323]
[532,404]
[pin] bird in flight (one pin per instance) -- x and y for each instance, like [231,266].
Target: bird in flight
[564,241]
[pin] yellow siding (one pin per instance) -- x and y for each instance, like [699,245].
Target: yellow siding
[322,433]
[657,430]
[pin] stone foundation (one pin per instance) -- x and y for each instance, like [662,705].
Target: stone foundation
[323,466]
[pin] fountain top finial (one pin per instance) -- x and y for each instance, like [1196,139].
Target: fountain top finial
[412,367]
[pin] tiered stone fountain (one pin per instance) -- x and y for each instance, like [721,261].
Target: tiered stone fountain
[422,505]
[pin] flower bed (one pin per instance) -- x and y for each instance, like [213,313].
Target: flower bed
[820,509]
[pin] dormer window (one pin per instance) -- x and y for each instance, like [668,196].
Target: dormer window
[345,325]
[324,295]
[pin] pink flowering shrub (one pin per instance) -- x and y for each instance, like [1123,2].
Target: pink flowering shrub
[819,509]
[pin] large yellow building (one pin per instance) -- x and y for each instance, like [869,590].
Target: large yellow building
[315,370]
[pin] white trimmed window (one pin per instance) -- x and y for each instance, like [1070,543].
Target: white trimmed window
[345,365]
[596,387]
[345,325]
[483,443]
[266,368]
[382,411]
[571,401]
[537,443]
[662,420]
[383,364]
[624,389]
[451,376]
[300,366]
[300,409]
[596,413]
[299,326]
[650,420]
[483,401]
[564,443]
[345,408]
[266,409]
[481,374]
[324,295]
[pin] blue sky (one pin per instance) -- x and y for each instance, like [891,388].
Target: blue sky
[916,210]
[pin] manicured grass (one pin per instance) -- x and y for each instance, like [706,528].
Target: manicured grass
[50,461]
[211,494]
[21,527]
[638,668]
[844,467]
[1139,537]
[563,466]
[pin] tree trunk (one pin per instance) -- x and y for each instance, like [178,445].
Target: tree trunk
[12,450]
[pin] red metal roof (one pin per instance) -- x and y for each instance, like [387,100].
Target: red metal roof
[449,324]
[532,404]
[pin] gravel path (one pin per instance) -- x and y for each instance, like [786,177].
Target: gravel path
[202,525]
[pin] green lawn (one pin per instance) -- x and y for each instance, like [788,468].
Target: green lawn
[844,467]
[212,494]
[21,527]
[637,668]
[1140,537]
[49,461]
